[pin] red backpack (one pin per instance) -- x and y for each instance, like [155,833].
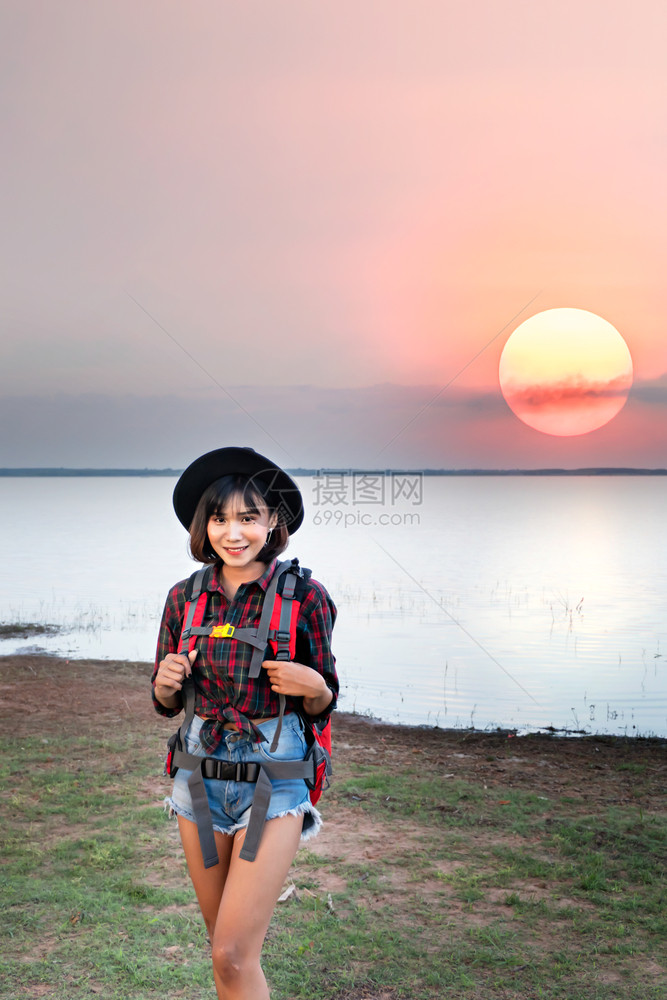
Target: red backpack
[277,630]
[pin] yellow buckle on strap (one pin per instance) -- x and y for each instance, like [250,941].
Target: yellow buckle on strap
[222,631]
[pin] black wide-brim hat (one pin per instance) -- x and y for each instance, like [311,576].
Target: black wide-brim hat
[281,493]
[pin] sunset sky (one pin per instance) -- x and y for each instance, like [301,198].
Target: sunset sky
[311,227]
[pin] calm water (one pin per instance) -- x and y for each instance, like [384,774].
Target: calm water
[516,602]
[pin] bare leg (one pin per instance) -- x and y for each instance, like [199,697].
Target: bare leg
[208,882]
[248,900]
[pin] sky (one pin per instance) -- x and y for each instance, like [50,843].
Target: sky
[312,227]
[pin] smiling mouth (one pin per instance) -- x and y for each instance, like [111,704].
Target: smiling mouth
[242,549]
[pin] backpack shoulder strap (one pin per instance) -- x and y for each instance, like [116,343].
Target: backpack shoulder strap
[285,571]
[285,613]
[196,596]
[264,626]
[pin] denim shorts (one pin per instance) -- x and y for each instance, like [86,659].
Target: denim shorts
[230,801]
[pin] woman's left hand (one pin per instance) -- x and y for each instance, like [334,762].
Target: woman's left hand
[295,679]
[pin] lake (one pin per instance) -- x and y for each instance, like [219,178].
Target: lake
[511,601]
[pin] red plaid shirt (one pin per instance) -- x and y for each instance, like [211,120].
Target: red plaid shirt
[223,689]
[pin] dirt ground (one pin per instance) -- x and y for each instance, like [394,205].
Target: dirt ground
[592,770]
[38,694]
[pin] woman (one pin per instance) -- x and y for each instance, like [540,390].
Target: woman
[240,509]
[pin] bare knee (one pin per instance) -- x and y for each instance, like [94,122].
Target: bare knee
[231,960]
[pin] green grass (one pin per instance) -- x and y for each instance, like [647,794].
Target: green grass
[89,901]
[450,888]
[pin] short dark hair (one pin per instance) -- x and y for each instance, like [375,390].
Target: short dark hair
[215,498]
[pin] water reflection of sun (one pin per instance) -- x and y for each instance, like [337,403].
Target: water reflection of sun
[565,372]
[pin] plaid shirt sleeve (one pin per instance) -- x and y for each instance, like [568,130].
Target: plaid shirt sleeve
[316,621]
[168,638]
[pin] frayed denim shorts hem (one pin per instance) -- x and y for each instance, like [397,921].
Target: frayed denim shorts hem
[230,801]
[312,822]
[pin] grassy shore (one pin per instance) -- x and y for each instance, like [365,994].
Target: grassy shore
[452,864]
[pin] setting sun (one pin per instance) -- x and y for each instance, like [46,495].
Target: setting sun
[565,372]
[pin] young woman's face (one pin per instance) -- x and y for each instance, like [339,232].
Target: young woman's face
[238,533]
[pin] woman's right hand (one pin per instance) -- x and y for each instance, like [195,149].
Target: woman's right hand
[171,675]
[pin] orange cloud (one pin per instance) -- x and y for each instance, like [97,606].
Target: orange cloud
[567,392]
